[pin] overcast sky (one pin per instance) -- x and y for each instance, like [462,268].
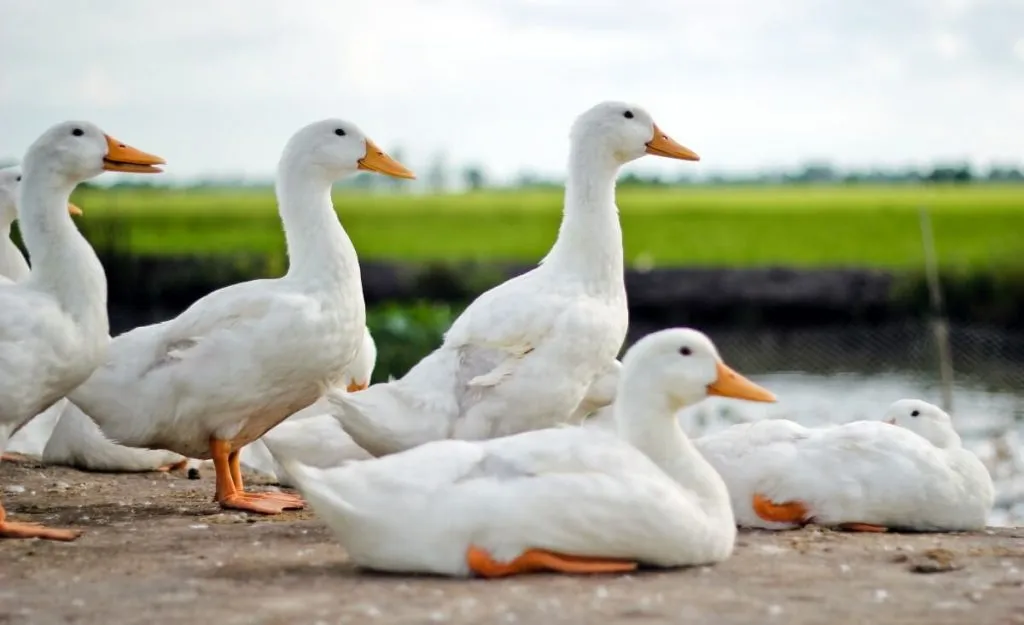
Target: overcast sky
[217,86]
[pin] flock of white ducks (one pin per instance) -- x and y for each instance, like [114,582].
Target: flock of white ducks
[520,444]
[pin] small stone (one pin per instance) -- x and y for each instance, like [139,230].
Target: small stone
[193,473]
[881,595]
[198,526]
[774,610]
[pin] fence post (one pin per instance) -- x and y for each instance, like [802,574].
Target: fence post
[940,327]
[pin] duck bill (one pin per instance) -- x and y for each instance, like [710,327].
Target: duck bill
[663,145]
[355,387]
[121,157]
[74,210]
[731,384]
[377,161]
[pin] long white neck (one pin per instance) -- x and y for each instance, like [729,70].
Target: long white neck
[589,244]
[64,265]
[13,265]
[645,418]
[320,252]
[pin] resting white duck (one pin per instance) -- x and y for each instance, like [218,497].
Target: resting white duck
[908,473]
[243,358]
[312,433]
[62,434]
[53,325]
[523,354]
[566,499]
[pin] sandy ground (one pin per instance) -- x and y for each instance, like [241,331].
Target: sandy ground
[157,550]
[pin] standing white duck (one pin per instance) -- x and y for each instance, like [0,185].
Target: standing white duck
[53,325]
[568,499]
[31,438]
[312,433]
[62,434]
[908,473]
[243,358]
[523,354]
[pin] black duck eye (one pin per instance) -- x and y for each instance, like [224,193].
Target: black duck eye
[685,351]
[915,413]
[78,132]
[628,114]
[18,179]
[339,132]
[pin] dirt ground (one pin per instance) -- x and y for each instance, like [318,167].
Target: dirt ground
[157,550]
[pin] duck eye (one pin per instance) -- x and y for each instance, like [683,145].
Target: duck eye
[339,132]
[685,351]
[915,413]
[78,132]
[628,114]
[18,179]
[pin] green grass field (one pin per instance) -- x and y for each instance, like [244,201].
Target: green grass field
[974,226]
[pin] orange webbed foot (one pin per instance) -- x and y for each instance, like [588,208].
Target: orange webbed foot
[862,527]
[13,457]
[538,560]
[788,512]
[174,466]
[253,502]
[34,530]
[295,501]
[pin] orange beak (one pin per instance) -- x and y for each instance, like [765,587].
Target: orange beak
[663,145]
[121,157]
[74,210]
[376,160]
[355,387]
[731,384]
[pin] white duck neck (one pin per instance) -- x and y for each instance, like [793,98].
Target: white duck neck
[64,265]
[645,418]
[12,264]
[589,244]
[319,250]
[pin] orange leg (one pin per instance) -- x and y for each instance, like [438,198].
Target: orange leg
[538,560]
[355,387]
[862,527]
[33,530]
[231,497]
[235,462]
[789,512]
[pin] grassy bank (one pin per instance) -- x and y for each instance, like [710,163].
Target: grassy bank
[975,226]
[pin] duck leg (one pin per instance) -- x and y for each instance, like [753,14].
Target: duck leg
[235,462]
[788,512]
[33,530]
[539,560]
[231,497]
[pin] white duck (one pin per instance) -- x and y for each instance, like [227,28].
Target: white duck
[524,353]
[908,473]
[567,499]
[243,358]
[53,325]
[312,434]
[62,434]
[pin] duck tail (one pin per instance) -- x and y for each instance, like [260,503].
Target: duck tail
[314,483]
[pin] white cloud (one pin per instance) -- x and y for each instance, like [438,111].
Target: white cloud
[217,87]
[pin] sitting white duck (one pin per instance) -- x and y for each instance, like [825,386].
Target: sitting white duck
[908,473]
[312,434]
[62,434]
[53,325]
[523,355]
[243,358]
[566,499]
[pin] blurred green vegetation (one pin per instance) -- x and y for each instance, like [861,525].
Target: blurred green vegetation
[975,226]
[405,333]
